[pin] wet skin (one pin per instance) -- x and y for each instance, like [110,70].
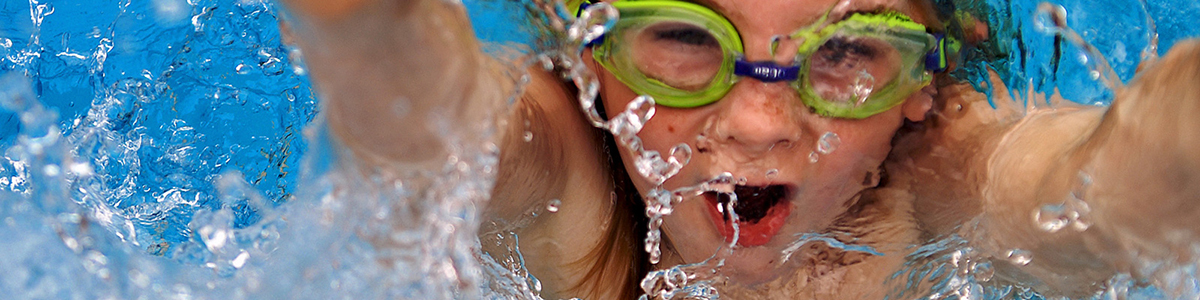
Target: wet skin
[758,127]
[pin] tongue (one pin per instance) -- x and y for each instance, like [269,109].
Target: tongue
[767,209]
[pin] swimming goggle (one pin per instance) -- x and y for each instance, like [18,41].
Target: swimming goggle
[686,55]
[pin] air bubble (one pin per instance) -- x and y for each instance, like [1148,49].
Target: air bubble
[772,173]
[528,137]
[812,157]
[553,205]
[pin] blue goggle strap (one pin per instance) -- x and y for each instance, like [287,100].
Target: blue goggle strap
[935,60]
[766,71]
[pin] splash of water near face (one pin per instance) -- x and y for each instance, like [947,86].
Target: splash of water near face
[650,164]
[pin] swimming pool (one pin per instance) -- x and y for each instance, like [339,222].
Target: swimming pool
[158,149]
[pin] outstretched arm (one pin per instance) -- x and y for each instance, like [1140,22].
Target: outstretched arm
[1083,192]
[394,76]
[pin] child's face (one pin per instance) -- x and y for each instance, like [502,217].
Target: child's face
[763,132]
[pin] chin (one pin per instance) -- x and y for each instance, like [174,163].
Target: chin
[754,266]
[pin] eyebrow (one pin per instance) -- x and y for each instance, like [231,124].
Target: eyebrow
[707,3]
[873,11]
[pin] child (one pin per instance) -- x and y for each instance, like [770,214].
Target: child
[806,145]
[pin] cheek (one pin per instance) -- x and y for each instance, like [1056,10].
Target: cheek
[613,94]
[864,145]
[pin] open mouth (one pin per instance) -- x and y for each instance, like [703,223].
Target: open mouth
[761,212]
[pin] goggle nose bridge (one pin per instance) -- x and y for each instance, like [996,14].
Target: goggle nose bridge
[765,71]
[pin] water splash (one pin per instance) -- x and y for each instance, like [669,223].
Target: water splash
[829,239]
[950,268]
[1073,211]
[692,281]
[592,23]
[506,268]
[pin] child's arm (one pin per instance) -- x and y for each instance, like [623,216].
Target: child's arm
[394,76]
[1135,168]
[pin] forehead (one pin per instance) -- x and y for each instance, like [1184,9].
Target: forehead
[796,13]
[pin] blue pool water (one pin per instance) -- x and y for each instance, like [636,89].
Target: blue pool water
[157,148]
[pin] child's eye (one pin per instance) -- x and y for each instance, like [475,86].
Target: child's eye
[686,35]
[846,52]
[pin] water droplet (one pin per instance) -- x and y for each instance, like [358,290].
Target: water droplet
[240,260]
[592,23]
[681,154]
[828,143]
[81,169]
[51,170]
[272,66]
[401,106]
[213,237]
[651,166]
[864,84]
[776,40]
[1050,18]
[242,69]
[553,205]
[983,271]
[628,123]
[1019,257]
[1052,217]
[812,157]
[528,136]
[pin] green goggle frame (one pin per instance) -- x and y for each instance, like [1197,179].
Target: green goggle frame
[915,55]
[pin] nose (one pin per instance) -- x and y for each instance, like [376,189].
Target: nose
[759,117]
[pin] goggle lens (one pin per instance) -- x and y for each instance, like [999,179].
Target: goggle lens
[847,69]
[677,54]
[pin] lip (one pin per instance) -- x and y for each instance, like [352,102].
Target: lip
[751,235]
